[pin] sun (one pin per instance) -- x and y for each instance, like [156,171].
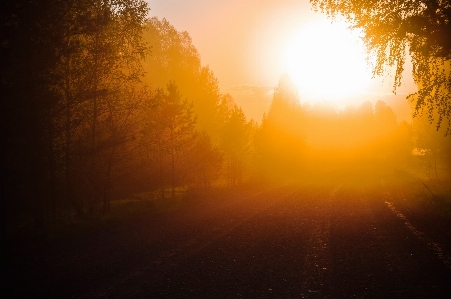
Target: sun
[327,61]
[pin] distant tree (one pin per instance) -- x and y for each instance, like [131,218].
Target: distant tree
[390,29]
[205,161]
[171,132]
[384,116]
[235,143]
[402,145]
[391,139]
[433,148]
[280,139]
[207,100]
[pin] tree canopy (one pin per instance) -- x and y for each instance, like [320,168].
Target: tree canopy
[70,77]
[391,28]
[174,58]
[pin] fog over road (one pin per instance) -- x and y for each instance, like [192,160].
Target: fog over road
[304,240]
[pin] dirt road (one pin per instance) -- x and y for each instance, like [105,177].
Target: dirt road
[306,240]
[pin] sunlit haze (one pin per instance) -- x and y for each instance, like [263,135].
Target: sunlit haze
[225,148]
[269,38]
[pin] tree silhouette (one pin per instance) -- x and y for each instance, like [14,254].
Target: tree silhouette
[67,68]
[171,133]
[205,161]
[393,27]
[433,148]
[280,140]
[235,143]
[174,58]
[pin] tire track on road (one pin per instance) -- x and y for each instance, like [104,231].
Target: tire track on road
[169,260]
[435,247]
[317,259]
[374,255]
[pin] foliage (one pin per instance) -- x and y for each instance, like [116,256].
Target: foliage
[70,85]
[205,161]
[280,140]
[174,58]
[235,140]
[170,132]
[391,28]
[294,139]
[432,148]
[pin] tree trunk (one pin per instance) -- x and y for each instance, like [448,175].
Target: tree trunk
[160,158]
[172,165]
[67,161]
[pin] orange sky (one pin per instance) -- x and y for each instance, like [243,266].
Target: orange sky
[243,41]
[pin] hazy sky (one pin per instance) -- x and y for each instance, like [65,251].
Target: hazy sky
[240,40]
[243,40]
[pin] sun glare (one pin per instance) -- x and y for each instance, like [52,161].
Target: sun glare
[327,61]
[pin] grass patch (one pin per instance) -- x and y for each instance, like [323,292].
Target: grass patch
[436,194]
[68,226]
[429,197]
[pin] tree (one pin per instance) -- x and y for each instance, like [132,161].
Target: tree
[205,161]
[174,58]
[67,69]
[391,28]
[170,132]
[280,140]
[33,37]
[207,100]
[96,78]
[434,150]
[235,143]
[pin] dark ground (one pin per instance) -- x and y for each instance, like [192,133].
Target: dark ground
[307,240]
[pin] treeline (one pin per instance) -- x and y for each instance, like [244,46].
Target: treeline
[100,102]
[69,69]
[295,139]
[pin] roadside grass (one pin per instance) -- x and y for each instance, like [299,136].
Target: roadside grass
[68,225]
[426,204]
[435,195]
[421,195]
[145,203]
[128,210]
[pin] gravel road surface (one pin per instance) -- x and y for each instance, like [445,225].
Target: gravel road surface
[303,240]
